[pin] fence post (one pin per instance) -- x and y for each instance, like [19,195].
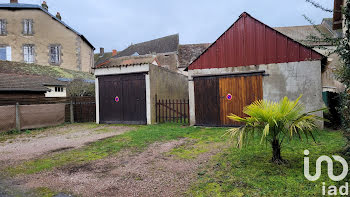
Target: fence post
[18,118]
[188,111]
[156,109]
[71,111]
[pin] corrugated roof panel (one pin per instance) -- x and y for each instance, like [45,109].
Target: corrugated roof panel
[250,42]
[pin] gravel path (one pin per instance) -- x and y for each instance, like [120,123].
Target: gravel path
[52,140]
[149,173]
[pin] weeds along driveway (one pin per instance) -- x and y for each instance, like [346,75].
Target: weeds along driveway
[32,144]
[156,160]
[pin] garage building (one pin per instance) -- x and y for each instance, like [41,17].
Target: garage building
[248,62]
[127,87]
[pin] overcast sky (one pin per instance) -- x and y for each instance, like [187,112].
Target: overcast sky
[115,24]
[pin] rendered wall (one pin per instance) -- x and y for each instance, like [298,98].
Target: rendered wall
[166,84]
[56,94]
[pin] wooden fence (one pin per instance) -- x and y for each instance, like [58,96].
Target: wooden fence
[172,110]
[75,109]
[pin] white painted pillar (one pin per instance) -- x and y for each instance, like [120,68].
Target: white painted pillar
[148,100]
[97,98]
[192,103]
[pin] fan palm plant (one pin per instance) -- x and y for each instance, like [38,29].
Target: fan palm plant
[274,122]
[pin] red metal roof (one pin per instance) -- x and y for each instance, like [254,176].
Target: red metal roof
[251,42]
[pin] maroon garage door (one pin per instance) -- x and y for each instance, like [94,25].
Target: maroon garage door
[123,99]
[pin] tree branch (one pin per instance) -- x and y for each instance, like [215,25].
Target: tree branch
[317,5]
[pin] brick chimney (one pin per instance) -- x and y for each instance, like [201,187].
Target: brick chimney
[58,15]
[114,52]
[102,51]
[13,1]
[45,6]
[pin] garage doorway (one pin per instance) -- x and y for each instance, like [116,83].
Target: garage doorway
[122,99]
[217,97]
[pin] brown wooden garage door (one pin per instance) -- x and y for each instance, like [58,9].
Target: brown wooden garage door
[130,106]
[212,103]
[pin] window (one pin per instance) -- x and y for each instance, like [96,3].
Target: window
[5,53]
[28,53]
[28,27]
[3,30]
[55,54]
[58,89]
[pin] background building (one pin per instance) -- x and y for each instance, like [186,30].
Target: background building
[30,34]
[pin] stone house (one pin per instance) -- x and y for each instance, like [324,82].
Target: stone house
[31,34]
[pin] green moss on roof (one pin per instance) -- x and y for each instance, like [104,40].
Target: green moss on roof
[34,69]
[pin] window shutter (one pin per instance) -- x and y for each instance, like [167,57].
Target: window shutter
[25,54]
[25,27]
[57,54]
[3,27]
[52,54]
[30,26]
[8,53]
[31,54]
[2,53]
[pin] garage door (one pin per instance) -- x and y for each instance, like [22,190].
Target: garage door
[123,99]
[218,97]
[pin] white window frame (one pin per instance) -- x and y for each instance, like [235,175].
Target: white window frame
[55,54]
[58,89]
[28,27]
[28,53]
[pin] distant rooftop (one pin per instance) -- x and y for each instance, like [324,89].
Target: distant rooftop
[27,83]
[161,45]
[302,33]
[129,61]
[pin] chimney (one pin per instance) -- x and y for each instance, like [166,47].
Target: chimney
[13,1]
[44,5]
[58,15]
[102,51]
[114,52]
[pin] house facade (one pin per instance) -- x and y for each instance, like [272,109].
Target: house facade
[30,34]
[249,62]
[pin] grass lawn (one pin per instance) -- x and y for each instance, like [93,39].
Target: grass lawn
[233,172]
[248,172]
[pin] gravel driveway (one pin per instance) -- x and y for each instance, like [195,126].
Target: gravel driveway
[25,147]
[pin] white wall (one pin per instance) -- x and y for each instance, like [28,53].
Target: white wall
[284,79]
[52,93]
